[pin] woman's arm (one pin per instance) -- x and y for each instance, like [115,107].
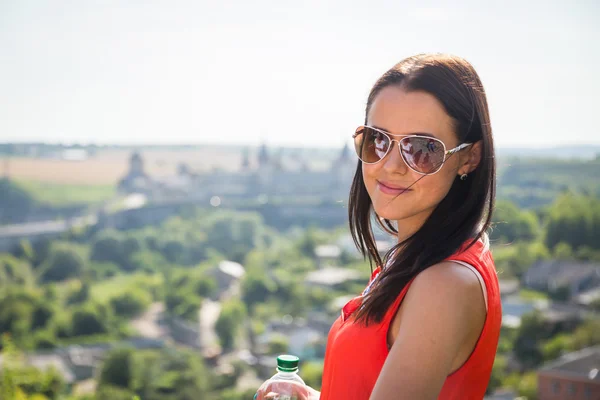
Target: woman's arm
[443,311]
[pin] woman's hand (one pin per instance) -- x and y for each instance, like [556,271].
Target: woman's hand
[274,390]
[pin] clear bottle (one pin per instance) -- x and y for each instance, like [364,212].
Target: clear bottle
[287,370]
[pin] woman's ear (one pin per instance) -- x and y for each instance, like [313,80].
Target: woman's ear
[471,159]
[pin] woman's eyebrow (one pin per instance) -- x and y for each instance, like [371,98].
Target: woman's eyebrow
[415,133]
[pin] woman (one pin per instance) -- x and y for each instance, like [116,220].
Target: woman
[427,325]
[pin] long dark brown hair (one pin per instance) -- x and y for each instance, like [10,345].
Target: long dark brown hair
[463,216]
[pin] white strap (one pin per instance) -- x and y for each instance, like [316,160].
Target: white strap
[479,277]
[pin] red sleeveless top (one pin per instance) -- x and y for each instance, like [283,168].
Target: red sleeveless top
[355,354]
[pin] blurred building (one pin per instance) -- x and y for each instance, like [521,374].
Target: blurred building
[332,277]
[574,376]
[272,175]
[571,276]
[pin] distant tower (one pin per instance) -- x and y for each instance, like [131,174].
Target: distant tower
[136,165]
[345,156]
[245,160]
[263,156]
[343,168]
[265,167]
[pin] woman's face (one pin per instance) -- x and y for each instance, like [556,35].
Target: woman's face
[403,113]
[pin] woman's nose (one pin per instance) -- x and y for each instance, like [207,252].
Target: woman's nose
[394,163]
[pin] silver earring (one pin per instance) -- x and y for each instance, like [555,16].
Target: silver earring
[463,177]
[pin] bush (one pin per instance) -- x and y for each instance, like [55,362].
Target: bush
[278,344]
[229,322]
[64,261]
[312,374]
[131,303]
[89,320]
[118,369]
[44,340]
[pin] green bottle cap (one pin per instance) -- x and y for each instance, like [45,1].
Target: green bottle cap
[287,363]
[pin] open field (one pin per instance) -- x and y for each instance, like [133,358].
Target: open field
[105,290]
[63,194]
[108,167]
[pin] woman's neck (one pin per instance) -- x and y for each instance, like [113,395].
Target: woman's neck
[408,227]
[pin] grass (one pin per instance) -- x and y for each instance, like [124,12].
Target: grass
[105,290]
[61,194]
[529,294]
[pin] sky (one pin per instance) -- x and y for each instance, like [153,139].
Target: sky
[282,72]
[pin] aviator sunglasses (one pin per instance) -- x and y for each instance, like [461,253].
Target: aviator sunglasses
[423,154]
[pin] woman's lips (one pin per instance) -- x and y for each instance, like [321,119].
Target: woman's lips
[389,188]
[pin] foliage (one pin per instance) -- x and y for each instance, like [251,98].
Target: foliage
[91,319]
[257,288]
[535,183]
[15,202]
[229,322]
[574,220]
[131,303]
[65,260]
[278,344]
[312,373]
[19,380]
[23,311]
[498,374]
[531,333]
[117,369]
[14,271]
[154,375]
[512,224]
[76,300]
[514,259]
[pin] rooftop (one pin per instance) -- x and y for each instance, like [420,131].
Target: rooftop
[232,268]
[331,276]
[328,251]
[583,364]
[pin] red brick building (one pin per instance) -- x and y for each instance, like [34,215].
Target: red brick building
[574,376]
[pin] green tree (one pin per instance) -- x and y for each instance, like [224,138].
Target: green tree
[14,271]
[21,311]
[557,346]
[80,294]
[312,373]
[21,381]
[512,224]
[230,321]
[278,344]
[531,333]
[64,261]
[108,247]
[131,303]
[586,335]
[118,369]
[15,202]
[171,375]
[528,386]
[574,220]
[205,286]
[498,374]
[257,288]
[90,319]
[563,251]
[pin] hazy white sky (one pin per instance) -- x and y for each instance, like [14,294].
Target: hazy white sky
[281,71]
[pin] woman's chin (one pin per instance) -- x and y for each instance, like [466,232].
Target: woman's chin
[386,214]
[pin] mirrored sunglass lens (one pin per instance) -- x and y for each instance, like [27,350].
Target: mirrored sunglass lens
[371,145]
[423,154]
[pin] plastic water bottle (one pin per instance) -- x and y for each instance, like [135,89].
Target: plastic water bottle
[287,370]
